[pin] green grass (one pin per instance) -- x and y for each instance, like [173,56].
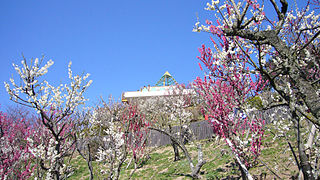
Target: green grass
[220,163]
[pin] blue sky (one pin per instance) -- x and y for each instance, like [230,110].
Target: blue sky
[124,45]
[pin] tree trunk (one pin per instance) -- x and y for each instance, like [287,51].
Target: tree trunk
[304,161]
[89,161]
[194,169]
[176,150]
[201,162]
[304,164]
[57,165]
[87,157]
[174,146]
[243,169]
[308,92]
[309,143]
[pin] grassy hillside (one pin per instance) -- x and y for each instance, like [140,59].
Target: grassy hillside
[275,156]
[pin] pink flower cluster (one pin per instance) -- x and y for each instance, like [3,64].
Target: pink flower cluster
[138,130]
[225,90]
[15,157]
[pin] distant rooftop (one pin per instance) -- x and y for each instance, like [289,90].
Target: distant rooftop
[161,88]
[166,80]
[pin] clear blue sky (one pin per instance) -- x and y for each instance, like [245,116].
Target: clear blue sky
[124,45]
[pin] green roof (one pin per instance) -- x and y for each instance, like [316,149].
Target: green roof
[166,80]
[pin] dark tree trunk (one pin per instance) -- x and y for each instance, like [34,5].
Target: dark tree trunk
[194,169]
[308,92]
[89,161]
[174,146]
[176,151]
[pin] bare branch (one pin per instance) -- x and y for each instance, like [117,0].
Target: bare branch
[313,38]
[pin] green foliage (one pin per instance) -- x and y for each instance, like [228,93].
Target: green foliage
[255,102]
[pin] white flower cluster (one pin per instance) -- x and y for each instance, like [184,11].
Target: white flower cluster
[112,149]
[308,21]
[229,15]
[113,142]
[299,27]
[212,5]
[5,145]
[41,95]
[46,152]
[173,108]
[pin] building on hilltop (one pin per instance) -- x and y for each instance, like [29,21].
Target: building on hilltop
[166,86]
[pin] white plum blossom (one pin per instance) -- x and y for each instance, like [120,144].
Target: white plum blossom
[54,106]
[41,95]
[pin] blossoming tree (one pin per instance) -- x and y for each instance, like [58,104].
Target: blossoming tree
[225,91]
[86,141]
[54,105]
[283,49]
[123,130]
[172,116]
[15,157]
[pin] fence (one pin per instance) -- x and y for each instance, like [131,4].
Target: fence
[203,129]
